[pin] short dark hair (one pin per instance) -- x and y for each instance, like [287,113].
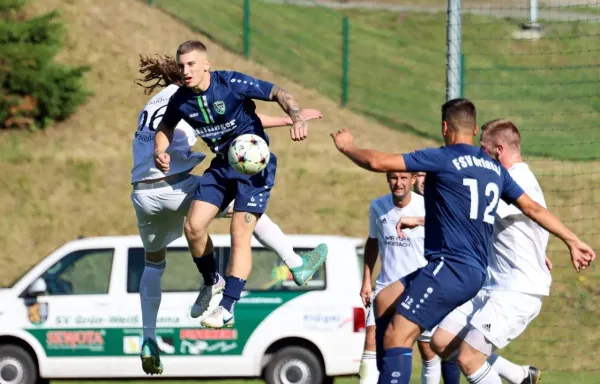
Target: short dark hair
[459,114]
[502,129]
[189,46]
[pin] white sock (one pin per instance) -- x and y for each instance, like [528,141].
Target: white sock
[368,374]
[431,373]
[507,370]
[150,295]
[484,375]
[270,235]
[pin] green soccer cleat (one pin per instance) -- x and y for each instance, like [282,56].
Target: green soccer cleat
[311,262]
[151,363]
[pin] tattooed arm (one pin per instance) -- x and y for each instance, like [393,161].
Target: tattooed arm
[299,129]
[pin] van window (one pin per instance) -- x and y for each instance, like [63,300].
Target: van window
[269,273]
[84,272]
[181,274]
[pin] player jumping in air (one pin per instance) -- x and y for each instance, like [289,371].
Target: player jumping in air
[462,190]
[219,106]
[161,199]
[401,254]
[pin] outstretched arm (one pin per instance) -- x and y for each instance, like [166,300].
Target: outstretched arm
[581,254]
[286,101]
[282,121]
[367,158]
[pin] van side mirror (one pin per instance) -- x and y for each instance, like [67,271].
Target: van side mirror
[37,288]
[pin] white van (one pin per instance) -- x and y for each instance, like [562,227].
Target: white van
[77,315]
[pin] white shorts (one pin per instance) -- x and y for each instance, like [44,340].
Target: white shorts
[500,316]
[424,337]
[160,212]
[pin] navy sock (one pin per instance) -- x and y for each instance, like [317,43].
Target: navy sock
[208,268]
[450,372]
[381,325]
[397,366]
[233,290]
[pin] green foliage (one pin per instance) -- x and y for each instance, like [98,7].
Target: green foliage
[34,89]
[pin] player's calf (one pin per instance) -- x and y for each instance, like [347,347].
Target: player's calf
[431,369]
[399,337]
[472,359]
[368,373]
[240,265]
[445,343]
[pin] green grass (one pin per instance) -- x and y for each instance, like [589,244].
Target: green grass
[548,378]
[396,66]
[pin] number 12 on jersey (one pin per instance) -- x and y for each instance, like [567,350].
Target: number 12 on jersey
[490,189]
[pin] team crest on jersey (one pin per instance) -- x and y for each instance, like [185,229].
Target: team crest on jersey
[37,313]
[219,107]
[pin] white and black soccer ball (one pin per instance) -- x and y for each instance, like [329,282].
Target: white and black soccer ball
[248,154]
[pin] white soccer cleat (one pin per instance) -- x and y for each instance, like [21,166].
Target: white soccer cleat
[218,318]
[206,295]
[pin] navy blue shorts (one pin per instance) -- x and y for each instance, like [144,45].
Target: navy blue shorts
[435,290]
[220,184]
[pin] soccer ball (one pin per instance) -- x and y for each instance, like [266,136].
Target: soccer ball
[248,154]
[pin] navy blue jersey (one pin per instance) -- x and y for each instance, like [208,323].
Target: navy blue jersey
[462,190]
[222,112]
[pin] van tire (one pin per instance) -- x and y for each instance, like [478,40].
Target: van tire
[296,364]
[14,360]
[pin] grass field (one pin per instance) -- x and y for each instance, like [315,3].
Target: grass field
[397,71]
[551,378]
[73,178]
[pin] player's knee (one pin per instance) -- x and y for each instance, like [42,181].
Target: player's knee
[439,345]
[194,231]
[370,344]
[426,351]
[156,256]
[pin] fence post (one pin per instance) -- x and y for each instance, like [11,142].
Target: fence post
[462,75]
[345,28]
[247,28]
[453,50]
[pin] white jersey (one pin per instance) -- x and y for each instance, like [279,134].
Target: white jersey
[184,137]
[519,260]
[399,257]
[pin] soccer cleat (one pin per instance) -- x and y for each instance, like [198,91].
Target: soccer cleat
[311,262]
[533,376]
[150,356]
[207,293]
[218,318]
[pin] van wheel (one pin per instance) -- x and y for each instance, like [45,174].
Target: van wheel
[17,366]
[294,365]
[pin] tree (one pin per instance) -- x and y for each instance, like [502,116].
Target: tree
[34,90]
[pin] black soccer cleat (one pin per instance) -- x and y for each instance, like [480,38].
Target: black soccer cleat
[534,376]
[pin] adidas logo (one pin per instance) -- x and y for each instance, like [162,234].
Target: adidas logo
[383,221]
[488,327]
